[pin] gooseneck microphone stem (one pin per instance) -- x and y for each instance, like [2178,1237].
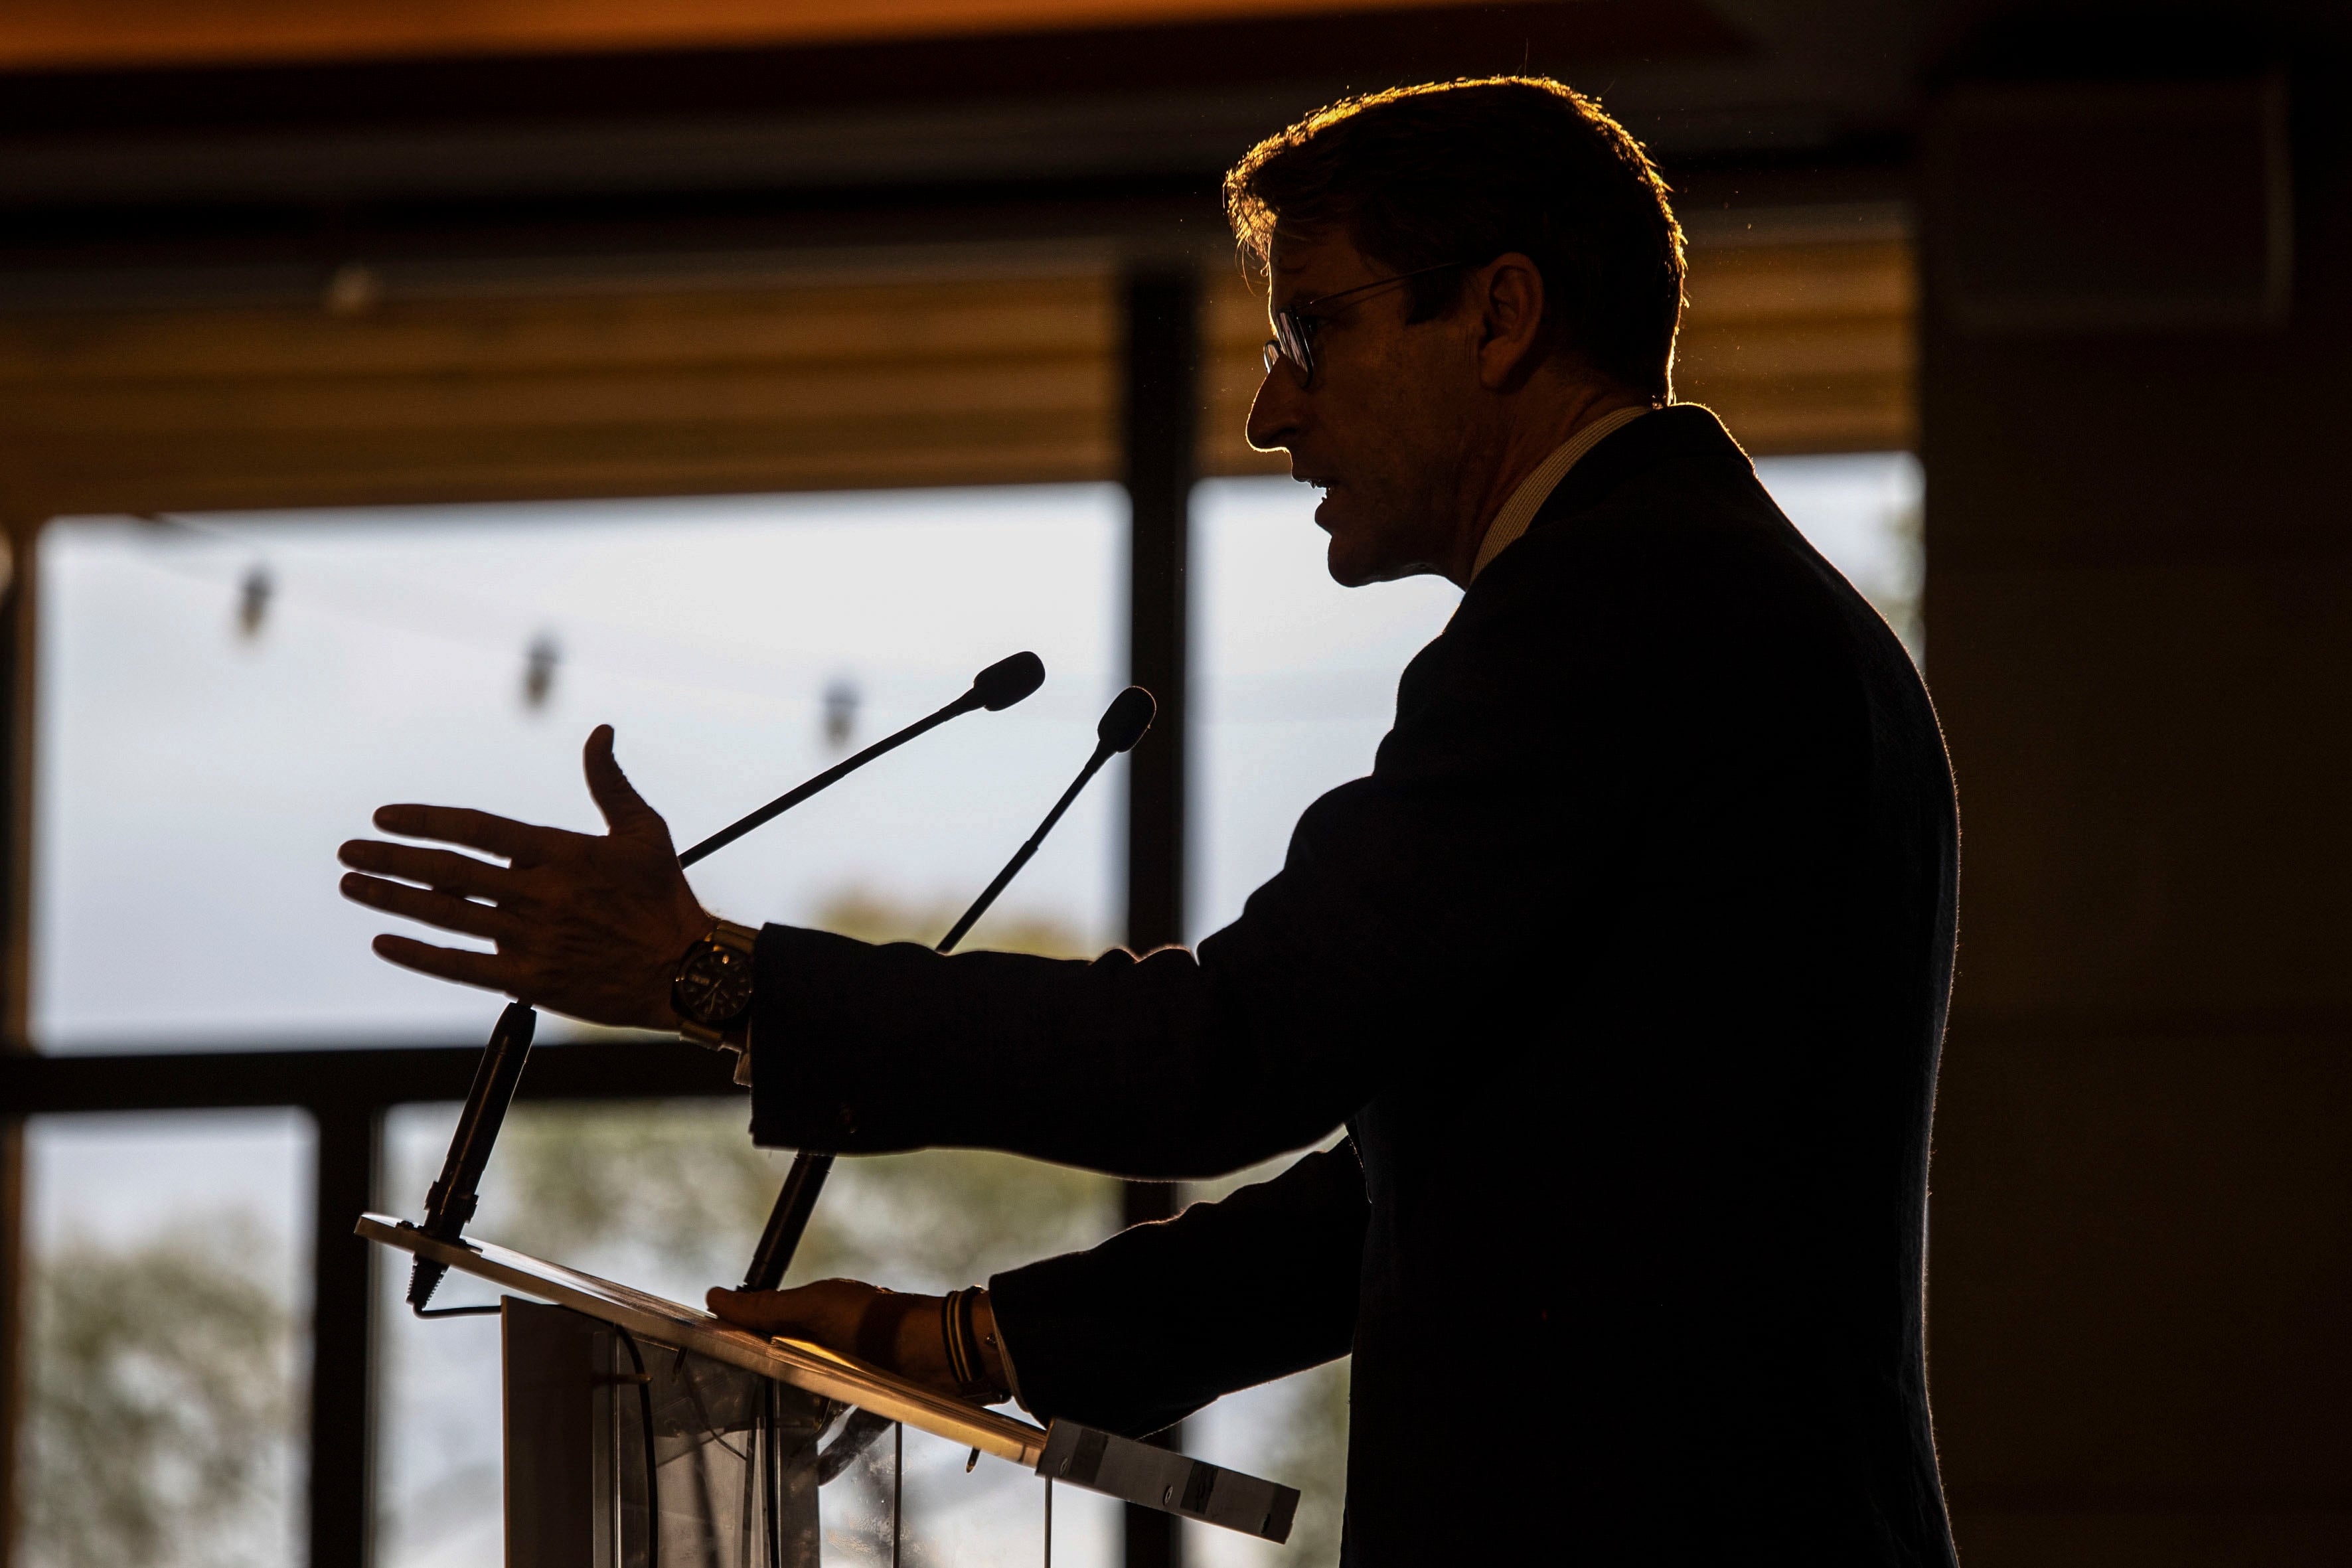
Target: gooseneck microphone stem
[1021,856]
[825,780]
[788,1221]
[1123,725]
[997,688]
[452,1200]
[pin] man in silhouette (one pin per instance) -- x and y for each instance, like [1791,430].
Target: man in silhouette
[1624,970]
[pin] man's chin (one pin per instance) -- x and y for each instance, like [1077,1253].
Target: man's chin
[1352,566]
[1362,551]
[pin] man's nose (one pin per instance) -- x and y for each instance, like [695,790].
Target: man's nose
[1274,412]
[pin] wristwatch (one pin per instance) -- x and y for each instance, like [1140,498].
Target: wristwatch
[712,990]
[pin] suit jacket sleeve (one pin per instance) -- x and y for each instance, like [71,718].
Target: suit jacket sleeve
[1162,1319]
[1371,958]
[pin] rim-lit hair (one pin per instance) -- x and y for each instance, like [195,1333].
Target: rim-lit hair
[1417,176]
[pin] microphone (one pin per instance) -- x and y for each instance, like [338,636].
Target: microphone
[450,1201]
[997,688]
[1123,723]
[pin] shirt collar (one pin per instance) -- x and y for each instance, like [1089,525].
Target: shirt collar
[1536,489]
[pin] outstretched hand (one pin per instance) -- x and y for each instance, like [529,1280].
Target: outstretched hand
[888,1328]
[588,925]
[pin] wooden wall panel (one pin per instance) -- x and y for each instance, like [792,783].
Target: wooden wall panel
[1801,348]
[2161,867]
[2142,1256]
[2139,600]
[1804,348]
[787,388]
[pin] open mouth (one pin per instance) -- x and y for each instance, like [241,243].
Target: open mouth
[1322,483]
[1323,489]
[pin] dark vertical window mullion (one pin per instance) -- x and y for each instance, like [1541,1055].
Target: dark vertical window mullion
[342,1310]
[17,609]
[1161,405]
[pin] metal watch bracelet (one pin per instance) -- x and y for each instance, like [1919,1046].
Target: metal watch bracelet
[742,939]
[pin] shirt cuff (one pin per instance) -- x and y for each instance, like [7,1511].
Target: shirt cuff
[1004,1354]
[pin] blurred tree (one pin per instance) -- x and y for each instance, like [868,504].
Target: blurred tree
[682,1184]
[853,911]
[160,1418]
[1310,1450]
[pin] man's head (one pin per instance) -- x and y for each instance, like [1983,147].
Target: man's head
[1539,275]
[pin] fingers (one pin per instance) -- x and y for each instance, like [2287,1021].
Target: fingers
[486,970]
[500,836]
[442,909]
[586,924]
[450,883]
[895,1331]
[752,1310]
[436,868]
[626,811]
[827,1313]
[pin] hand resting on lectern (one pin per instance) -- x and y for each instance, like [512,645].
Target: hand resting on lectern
[892,1330]
[586,925]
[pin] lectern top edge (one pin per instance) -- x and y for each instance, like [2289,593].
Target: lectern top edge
[1099,1461]
[803,1366]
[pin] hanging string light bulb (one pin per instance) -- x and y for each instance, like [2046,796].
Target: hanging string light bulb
[840,712]
[252,593]
[539,664]
[352,289]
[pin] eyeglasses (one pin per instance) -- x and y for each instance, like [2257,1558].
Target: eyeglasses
[1294,330]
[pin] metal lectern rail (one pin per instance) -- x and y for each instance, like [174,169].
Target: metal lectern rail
[1099,1461]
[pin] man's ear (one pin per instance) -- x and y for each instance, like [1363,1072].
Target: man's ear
[1507,293]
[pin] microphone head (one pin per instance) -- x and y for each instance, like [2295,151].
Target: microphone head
[1125,720]
[1008,680]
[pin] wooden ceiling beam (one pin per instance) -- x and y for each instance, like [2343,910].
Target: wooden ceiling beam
[1330,44]
[80,35]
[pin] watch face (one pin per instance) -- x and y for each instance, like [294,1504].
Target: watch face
[714,986]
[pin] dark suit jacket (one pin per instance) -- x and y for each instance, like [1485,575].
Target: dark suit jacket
[1626,969]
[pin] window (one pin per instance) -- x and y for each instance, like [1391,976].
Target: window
[169,1275]
[671,1197]
[1861,510]
[226,699]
